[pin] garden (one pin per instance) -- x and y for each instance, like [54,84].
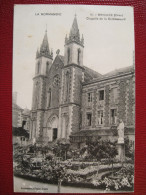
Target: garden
[95,165]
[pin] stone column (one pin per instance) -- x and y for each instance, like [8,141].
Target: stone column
[121,149]
[121,144]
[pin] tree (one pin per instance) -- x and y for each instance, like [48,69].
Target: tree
[64,146]
[61,147]
[101,149]
[129,148]
[111,152]
[58,174]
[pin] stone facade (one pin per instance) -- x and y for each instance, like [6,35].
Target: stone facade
[73,101]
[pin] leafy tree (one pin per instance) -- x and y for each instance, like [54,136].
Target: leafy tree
[101,149]
[129,148]
[61,147]
[64,146]
[58,174]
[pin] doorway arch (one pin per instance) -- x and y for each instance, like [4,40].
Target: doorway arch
[52,127]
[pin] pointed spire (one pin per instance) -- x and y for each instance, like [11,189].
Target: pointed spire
[44,49]
[74,32]
[82,40]
[74,35]
[37,53]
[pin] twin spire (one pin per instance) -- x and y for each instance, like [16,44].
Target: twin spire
[74,36]
[44,49]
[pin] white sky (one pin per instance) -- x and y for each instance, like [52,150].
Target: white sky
[109,44]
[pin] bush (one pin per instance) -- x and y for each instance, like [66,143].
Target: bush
[122,180]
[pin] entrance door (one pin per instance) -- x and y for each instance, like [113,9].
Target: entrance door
[55,133]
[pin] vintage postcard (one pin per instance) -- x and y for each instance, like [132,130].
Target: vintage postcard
[73,99]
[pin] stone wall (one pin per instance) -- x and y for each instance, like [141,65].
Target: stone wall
[107,106]
[77,86]
[125,103]
[76,118]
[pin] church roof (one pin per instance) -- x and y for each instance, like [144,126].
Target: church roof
[115,73]
[90,74]
[61,58]
[120,71]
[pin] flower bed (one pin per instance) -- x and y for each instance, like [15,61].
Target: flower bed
[121,180]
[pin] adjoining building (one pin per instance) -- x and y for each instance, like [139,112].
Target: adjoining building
[73,101]
[17,112]
[20,123]
[20,136]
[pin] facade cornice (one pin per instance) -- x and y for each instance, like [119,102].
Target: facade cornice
[41,76]
[70,103]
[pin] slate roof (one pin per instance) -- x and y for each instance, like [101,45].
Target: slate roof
[61,58]
[120,71]
[91,74]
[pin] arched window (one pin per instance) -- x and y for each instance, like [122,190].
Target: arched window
[68,55]
[67,83]
[47,67]
[49,98]
[36,95]
[38,68]
[79,53]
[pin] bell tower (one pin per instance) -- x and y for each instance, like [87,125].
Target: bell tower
[43,64]
[71,89]
[74,46]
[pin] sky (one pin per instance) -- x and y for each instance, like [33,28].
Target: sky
[108,39]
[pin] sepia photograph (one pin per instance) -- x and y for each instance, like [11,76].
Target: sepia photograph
[73,108]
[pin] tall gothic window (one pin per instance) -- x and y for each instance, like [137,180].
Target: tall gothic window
[79,52]
[68,55]
[49,98]
[38,68]
[36,95]
[47,67]
[67,83]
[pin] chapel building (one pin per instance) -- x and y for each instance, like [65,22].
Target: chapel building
[75,102]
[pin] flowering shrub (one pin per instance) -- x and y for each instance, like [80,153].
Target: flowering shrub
[123,183]
[122,180]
